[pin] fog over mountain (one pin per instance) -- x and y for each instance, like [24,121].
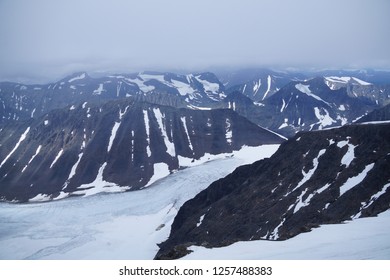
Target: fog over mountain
[45,40]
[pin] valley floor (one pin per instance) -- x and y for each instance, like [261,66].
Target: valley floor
[111,226]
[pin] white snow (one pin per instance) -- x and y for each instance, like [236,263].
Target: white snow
[183,88]
[198,108]
[283,125]
[360,239]
[40,198]
[283,106]
[84,104]
[99,90]
[118,88]
[160,170]
[32,158]
[342,107]
[305,89]
[116,226]
[269,80]
[349,155]
[147,128]
[228,132]
[310,173]
[79,77]
[99,185]
[200,220]
[184,121]
[256,87]
[324,119]
[374,122]
[275,233]
[57,157]
[208,86]
[354,181]
[72,108]
[46,122]
[373,198]
[74,167]
[32,113]
[113,135]
[345,80]
[170,146]
[21,139]
[140,83]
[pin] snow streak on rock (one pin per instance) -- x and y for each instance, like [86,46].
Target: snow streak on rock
[147,128]
[170,146]
[21,139]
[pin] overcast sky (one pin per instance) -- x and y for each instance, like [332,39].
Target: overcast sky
[45,39]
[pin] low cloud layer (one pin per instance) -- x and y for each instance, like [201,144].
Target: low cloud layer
[46,39]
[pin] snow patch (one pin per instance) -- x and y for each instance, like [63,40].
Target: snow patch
[349,156]
[21,139]
[200,220]
[113,135]
[40,198]
[354,181]
[323,117]
[161,170]
[32,158]
[99,185]
[79,77]
[305,89]
[147,128]
[269,80]
[57,157]
[168,144]
[228,132]
[99,90]
[183,120]
[310,173]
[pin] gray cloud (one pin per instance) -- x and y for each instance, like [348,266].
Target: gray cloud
[46,39]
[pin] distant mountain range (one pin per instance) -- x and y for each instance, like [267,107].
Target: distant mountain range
[280,101]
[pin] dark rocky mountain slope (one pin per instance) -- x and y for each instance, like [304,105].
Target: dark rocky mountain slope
[315,178]
[118,146]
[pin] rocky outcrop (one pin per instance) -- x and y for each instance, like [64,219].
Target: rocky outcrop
[314,178]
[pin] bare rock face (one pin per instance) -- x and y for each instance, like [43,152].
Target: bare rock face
[118,146]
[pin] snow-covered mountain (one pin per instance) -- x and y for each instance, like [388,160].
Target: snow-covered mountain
[21,102]
[257,84]
[329,176]
[118,146]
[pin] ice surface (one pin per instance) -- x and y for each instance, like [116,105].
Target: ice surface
[110,226]
[365,238]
